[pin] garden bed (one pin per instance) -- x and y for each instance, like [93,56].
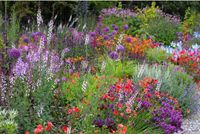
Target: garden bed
[135,72]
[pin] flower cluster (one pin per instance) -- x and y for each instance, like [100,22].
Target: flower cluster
[136,47]
[118,103]
[49,128]
[30,39]
[189,60]
[74,37]
[166,111]
[118,12]
[126,100]
[171,18]
[168,118]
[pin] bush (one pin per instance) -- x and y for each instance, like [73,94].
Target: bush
[162,30]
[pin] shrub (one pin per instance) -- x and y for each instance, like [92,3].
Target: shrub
[162,29]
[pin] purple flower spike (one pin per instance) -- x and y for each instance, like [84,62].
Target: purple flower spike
[14,53]
[114,55]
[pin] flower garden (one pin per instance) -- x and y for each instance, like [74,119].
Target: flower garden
[135,72]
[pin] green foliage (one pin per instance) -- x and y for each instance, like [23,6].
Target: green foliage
[1,21]
[33,106]
[1,43]
[147,14]
[156,55]
[14,28]
[134,24]
[7,121]
[119,68]
[191,20]
[162,29]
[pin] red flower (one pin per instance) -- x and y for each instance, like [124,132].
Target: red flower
[127,88]
[70,111]
[157,94]
[119,105]
[149,95]
[182,52]
[105,96]
[118,87]
[39,129]
[26,132]
[124,130]
[49,126]
[65,129]
[75,109]
[111,98]
[115,112]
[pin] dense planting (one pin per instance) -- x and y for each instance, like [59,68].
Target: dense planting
[135,72]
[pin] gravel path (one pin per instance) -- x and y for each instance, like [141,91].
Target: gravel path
[191,125]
